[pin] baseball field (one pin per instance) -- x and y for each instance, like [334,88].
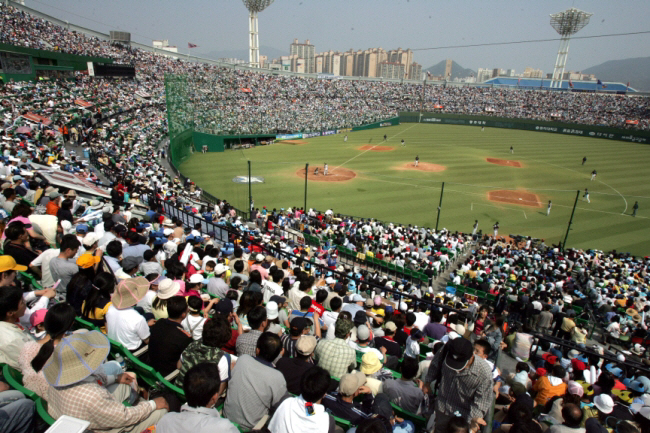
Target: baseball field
[483,180]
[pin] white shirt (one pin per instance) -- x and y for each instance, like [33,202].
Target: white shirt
[291,417]
[43,261]
[145,303]
[365,349]
[127,327]
[270,288]
[194,325]
[421,320]
[329,317]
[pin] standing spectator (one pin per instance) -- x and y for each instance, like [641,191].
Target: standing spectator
[464,379]
[198,415]
[256,386]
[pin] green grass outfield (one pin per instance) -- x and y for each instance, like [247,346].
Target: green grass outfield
[552,170]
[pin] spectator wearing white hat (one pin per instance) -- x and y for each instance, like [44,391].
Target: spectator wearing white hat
[257,266]
[166,289]
[217,285]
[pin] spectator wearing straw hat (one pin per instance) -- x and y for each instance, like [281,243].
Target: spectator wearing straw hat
[201,386]
[123,323]
[78,390]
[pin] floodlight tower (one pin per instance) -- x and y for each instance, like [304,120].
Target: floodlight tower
[567,24]
[254,6]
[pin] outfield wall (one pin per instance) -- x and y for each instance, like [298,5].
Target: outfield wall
[388,122]
[529,125]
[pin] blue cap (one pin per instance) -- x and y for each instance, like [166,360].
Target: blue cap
[636,385]
[82,228]
[583,358]
[159,241]
[614,370]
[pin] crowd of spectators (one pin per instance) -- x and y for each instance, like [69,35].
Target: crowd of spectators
[260,331]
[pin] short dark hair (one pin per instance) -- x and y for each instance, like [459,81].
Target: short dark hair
[314,384]
[256,316]
[239,266]
[10,297]
[201,383]
[216,331]
[269,345]
[410,367]
[114,248]
[522,366]
[15,230]
[8,192]
[559,371]
[457,424]
[410,319]
[485,345]
[176,306]
[69,242]
[305,302]
[336,303]
[321,295]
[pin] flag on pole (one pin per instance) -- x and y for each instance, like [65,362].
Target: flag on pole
[570,83]
[189,45]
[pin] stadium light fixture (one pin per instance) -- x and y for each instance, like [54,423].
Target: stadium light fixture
[567,24]
[254,7]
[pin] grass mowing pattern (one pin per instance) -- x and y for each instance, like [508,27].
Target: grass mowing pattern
[552,170]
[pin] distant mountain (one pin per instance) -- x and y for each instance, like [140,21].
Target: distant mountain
[456,70]
[634,70]
[270,52]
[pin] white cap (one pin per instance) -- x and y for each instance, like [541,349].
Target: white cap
[220,269]
[196,278]
[90,239]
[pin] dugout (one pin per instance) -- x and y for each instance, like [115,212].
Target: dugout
[218,143]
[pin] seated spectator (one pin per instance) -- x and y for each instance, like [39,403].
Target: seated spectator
[123,323]
[17,244]
[336,356]
[342,405]
[551,385]
[33,356]
[166,289]
[194,321]
[305,413]
[363,343]
[168,338]
[12,336]
[16,411]
[247,343]
[77,390]
[406,392]
[297,327]
[202,389]
[63,267]
[218,285]
[387,341]
[256,386]
[435,329]
[572,415]
[96,305]
[293,368]
[215,335]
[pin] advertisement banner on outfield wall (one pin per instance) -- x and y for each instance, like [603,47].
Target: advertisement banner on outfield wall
[288,136]
[310,134]
[579,130]
[329,132]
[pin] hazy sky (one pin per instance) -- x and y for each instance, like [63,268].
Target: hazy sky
[360,24]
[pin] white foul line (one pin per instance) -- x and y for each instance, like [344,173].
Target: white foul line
[368,150]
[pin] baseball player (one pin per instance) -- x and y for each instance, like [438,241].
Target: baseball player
[325,170]
[586,195]
[384,137]
[475,228]
[417,160]
[593,175]
[496,229]
[584,159]
[635,208]
[403,144]
[512,150]
[345,139]
[548,208]
[316,171]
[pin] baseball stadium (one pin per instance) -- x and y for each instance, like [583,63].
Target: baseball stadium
[199,246]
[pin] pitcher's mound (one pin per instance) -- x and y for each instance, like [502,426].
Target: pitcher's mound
[518,197]
[334,175]
[294,141]
[374,148]
[505,162]
[422,166]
